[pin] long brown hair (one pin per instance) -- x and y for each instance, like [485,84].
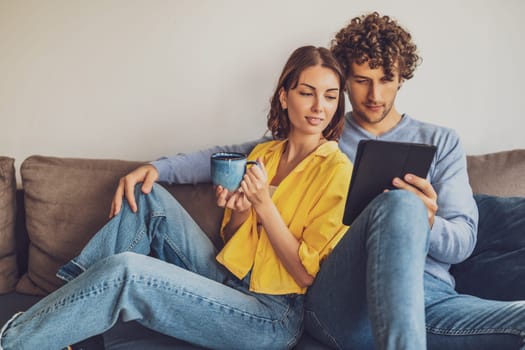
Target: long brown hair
[302,58]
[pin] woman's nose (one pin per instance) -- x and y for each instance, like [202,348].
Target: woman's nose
[317,106]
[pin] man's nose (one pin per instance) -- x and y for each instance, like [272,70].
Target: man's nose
[374,93]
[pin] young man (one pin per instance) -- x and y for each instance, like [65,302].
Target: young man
[389,276]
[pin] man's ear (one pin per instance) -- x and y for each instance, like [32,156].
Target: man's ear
[283,99]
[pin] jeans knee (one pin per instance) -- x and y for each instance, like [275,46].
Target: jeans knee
[139,194]
[403,213]
[158,199]
[401,197]
[402,203]
[124,264]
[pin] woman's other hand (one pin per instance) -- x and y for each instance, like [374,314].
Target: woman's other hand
[236,201]
[147,174]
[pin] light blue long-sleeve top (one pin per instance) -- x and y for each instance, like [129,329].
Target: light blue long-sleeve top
[453,235]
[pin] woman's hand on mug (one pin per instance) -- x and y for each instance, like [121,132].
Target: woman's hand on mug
[255,184]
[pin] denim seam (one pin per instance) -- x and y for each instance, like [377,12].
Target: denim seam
[323,329]
[79,265]
[160,213]
[295,337]
[373,294]
[169,287]
[157,213]
[179,253]
[138,237]
[120,281]
[475,331]
[74,298]
[6,327]
[68,277]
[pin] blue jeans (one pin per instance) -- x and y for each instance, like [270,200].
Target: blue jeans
[184,293]
[381,298]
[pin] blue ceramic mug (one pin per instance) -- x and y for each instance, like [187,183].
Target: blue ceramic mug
[228,169]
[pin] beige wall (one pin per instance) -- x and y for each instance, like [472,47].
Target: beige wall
[140,79]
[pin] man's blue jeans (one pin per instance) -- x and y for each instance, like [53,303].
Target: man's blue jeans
[184,293]
[380,298]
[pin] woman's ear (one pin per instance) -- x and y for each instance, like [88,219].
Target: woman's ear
[283,99]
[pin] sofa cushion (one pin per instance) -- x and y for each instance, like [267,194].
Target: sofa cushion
[8,265]
[496,268]
[67,201]
[498,174]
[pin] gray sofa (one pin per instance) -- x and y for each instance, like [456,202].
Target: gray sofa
[63,201]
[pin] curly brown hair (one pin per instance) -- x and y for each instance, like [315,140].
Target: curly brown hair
[378,40]
[302,58]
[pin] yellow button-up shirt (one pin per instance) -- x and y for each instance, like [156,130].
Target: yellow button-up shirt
[311,201]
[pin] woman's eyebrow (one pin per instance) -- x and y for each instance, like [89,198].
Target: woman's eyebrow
[313,87]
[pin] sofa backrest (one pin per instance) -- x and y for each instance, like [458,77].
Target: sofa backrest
[499,174]
[67,200]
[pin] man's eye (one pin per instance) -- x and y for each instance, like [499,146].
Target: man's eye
[387,80]
[360,81]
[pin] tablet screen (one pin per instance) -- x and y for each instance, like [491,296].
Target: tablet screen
[377,163]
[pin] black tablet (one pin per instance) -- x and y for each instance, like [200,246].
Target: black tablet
[376,164]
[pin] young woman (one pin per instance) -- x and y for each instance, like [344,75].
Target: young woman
[277,228]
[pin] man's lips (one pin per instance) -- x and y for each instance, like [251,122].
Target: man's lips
[374,108]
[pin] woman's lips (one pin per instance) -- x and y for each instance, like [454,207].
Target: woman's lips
[314,120]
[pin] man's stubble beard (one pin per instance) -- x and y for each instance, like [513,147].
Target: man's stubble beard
[358,114]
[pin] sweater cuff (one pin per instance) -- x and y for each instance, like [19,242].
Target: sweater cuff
[163,168]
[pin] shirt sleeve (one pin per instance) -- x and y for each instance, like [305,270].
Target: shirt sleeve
[193,168]
[325,226]
[453,235]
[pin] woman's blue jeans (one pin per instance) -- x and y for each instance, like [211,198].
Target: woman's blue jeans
[182,293]
[380,298]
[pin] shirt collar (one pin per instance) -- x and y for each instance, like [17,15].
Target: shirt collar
[323,150]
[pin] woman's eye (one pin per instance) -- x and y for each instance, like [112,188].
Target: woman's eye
[331,97]
[305,94]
